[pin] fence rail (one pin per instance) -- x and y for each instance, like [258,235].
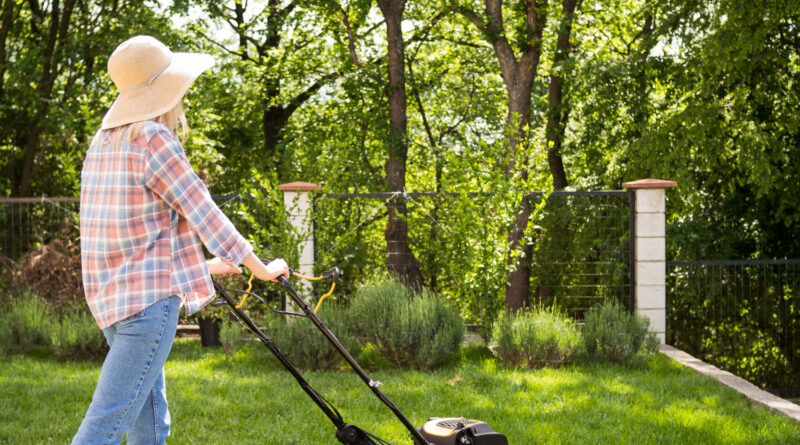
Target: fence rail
[742,316]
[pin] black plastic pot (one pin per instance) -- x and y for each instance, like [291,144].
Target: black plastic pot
[209,332]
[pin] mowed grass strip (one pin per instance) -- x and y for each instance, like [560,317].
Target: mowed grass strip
[250,399]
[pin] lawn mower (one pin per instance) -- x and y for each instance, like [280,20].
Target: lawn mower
[436,431]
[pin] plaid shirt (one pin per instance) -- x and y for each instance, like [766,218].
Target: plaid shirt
[141,206]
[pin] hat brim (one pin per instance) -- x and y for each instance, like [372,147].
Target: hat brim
[166,90]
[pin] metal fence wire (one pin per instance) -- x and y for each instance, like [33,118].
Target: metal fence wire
[583,251]
[581,245]
[27,223]
[742,316]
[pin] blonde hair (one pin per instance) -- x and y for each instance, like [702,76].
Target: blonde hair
[174,119]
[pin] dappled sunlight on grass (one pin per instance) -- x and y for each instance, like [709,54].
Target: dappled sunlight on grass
[250,398]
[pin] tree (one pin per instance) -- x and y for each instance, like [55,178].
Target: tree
[281,43]
[399,258]
[519,70]
[709,101]
[557,108]
[49,58]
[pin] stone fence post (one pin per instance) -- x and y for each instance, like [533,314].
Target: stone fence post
[650,256]
[297,202]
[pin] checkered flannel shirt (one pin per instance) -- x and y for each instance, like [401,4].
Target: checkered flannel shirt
[142,209]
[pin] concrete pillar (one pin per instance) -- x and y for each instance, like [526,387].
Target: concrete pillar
[297,202]
[650,256]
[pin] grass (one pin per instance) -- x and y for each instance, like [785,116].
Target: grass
[250,399]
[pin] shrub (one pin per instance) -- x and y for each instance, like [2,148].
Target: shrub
[612,333]
[231,336]
[409,330]
[6,336]
[306,347]
[76,335]
[29,319]
[6,331]
[535,338]
[32,321]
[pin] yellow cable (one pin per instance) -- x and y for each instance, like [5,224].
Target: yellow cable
[306,278]
[249,287]
[324,297]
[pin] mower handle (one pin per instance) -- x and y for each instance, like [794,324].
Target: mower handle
[327,275]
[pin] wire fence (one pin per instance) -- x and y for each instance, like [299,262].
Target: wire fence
[742,316]
[581,247]
[583,251]
[27,223]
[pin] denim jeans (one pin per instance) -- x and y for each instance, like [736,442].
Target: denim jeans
[130,396]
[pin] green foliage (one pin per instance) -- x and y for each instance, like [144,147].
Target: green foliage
[29,317]
[612,333]
[409,330]
[535,338]
[743,319]
[231,335]
[32,321]
[54,89]
[76,335]
[6,337]
[707,97]
[306,346]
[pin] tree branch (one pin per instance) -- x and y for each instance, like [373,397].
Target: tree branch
[215,43]
[536,22]
[351,45]
[415,94]
[373,28]
[305,95]
[470,15]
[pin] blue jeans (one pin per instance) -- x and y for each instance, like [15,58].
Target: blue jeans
[130,396]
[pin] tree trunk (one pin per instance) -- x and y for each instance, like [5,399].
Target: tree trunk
[438,173]
[400,261]
[59,27]
[520,252]
[556,109]
[518,76]
[5,25]
[273,121]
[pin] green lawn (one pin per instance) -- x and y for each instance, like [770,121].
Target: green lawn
[251,400]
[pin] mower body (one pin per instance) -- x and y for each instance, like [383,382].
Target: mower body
[460,431]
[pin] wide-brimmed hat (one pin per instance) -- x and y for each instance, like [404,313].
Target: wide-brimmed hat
[151,79]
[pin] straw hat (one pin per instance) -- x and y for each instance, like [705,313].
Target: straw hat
[151,79]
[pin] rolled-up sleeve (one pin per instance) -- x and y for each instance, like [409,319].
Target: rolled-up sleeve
[168,173]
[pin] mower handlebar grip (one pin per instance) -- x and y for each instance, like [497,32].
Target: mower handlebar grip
[333,273]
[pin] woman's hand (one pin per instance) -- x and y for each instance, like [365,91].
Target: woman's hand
[268,272]
[217,266]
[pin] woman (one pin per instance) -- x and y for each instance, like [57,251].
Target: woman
[142,210]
